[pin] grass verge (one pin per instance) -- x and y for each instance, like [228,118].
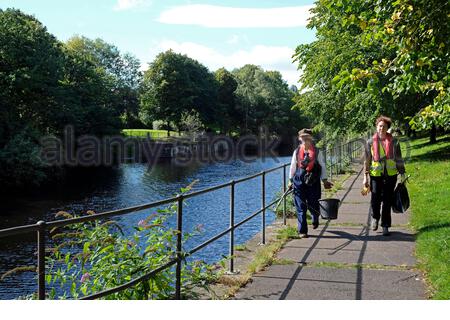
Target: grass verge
[153,133]
[429,191]
[263,257]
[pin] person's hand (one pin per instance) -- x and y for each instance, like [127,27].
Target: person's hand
[289,185]
[327,184]
[403,178]
[366,181]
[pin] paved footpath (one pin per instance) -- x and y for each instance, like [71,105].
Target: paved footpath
[344,259]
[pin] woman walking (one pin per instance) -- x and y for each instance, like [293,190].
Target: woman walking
[306,171]
[383,161]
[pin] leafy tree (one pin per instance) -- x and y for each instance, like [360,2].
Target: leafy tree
[376,57]
[175,84]
[31,68]
[120,71]
[264,99]
[226,100]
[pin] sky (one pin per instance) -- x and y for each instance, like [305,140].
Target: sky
[218,34]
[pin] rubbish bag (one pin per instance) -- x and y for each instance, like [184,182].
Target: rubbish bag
[401,199]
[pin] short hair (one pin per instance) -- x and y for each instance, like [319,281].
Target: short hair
[385,119]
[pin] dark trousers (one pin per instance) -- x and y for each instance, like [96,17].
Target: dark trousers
[382,189]
[307,197]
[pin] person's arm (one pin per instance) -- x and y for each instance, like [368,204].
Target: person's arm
[323,174]
[367,163]
[400,164]
[293,166]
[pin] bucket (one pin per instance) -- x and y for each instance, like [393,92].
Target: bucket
[329,208]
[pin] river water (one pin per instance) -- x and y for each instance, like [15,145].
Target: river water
[134,184]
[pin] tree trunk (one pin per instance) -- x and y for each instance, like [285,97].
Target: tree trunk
[433,133]
[168,129]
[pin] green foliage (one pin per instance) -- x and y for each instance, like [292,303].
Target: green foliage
[226,100]
[20,162]
[264,99]
[374,58]
[91,257]
[120,71]
[175,84]
[46,85]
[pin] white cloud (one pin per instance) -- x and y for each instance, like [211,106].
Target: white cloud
[230,17]
[268,57]
[130,4]
[235,39]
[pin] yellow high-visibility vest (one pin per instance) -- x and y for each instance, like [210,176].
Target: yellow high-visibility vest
[377,167]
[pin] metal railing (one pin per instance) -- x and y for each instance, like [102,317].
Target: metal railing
[41,227]
[351,149]
[340,155]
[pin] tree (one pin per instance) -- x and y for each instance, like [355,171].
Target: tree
[226,101]
[175,84]
[121,71]
[377,57]
[31,70]
[264,99]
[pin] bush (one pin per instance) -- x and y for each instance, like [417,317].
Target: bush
[94,256]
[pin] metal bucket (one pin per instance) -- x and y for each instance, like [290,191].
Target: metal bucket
[329,208]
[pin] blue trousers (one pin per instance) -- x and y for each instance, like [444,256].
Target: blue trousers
[307,197]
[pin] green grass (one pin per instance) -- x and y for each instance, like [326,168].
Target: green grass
[153,133]
[429,191]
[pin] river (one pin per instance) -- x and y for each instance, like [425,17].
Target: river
[134,184]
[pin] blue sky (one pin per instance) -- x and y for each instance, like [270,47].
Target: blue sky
[218,34]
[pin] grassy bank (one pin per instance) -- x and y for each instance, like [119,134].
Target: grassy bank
[429,190]
[153,133]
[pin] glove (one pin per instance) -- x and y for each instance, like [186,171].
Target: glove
[403,178]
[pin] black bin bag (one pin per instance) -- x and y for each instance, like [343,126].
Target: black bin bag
[401,199]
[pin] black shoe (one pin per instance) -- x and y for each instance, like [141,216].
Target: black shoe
[385,231]
[315,225]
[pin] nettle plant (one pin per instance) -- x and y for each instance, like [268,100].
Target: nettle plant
[91,257]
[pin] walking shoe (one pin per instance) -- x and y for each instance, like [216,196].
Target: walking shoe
[374,224]
[315,225]
[303,235]
[385,231]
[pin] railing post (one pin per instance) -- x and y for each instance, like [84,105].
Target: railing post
[232,225]
[41,259]
[179,241]
[284,192]
[263,202]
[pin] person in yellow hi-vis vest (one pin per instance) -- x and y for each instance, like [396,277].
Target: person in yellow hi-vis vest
[383,162]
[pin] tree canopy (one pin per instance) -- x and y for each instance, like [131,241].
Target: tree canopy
[373,57]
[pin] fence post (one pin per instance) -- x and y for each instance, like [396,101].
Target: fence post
[179,241]
[263,202]
[41,259]
[284,191]
[232,225]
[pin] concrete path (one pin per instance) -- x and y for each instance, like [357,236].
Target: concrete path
[344,259]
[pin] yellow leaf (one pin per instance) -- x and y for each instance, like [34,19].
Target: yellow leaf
[410,8]
[362,25]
